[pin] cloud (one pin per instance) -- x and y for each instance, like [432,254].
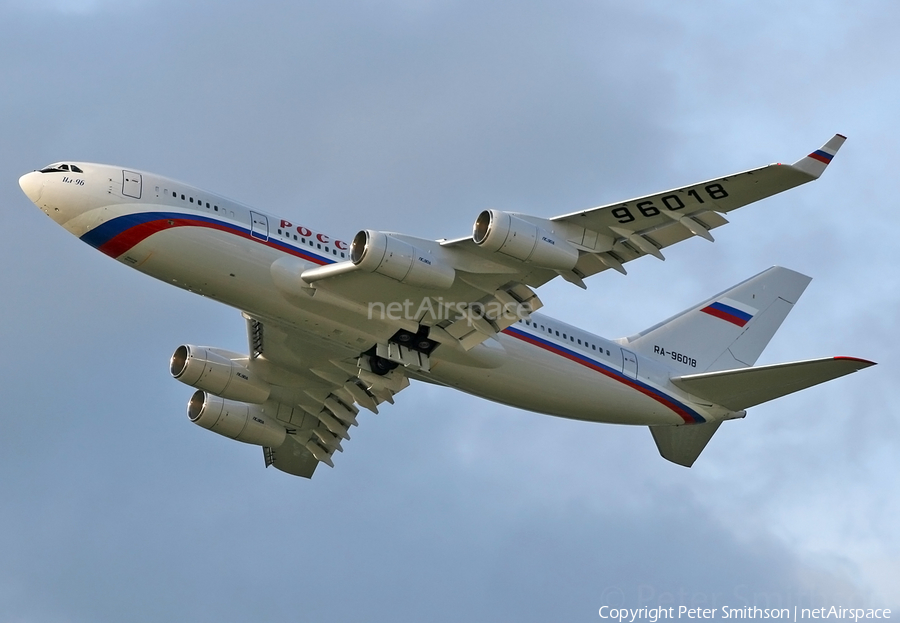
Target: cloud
[414,118]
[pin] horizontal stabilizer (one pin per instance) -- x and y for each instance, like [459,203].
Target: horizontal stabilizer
[746,387]
[683,444]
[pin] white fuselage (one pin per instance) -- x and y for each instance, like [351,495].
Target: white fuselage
[224,250]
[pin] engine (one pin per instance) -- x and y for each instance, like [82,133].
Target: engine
[217,372]
[374,251]
[237,420]
[501,232]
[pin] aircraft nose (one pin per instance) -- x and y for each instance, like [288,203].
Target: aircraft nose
[32,184]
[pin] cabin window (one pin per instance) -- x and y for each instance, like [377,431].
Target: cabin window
[182,197]
[594,346]
[557,334]
[579,342]
[192,200]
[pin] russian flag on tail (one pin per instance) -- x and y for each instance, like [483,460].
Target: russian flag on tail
[731,311]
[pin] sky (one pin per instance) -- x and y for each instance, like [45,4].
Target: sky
[414,116]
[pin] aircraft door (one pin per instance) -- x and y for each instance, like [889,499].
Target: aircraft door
[131,184]
[629,364]
[259,226]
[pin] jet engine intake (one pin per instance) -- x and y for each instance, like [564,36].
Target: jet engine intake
[211,370]
[375,251]
[501,232]
[236,420]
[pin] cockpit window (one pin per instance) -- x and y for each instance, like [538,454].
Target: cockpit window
[55,168]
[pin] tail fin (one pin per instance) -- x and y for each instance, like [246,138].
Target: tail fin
[716,344]
[728,331]
[683,444]
[741,389]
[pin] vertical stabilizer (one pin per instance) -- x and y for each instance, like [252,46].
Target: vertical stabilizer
[683,444]
[730,330]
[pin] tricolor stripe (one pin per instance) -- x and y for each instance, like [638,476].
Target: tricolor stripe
[821,156]
[119,235]
[686,413]
[729,311]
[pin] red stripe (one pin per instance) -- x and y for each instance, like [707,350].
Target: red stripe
[117,245]
[125,241]
[820,158]
[855,359]
[660,399]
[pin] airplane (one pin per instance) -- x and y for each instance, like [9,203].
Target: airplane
[335,326]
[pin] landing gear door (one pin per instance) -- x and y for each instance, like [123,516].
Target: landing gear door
[629,364]
[131,184]
[259,226]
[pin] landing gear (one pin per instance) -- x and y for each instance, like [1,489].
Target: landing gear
[380,365]
[416,341]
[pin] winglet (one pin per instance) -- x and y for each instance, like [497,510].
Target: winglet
[815,163]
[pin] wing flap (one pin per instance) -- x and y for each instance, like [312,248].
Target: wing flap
[747,387]
[316,390]
[292,458]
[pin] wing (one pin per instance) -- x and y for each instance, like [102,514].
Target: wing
[613,234]
[609,236]
[461,292]
[317,389]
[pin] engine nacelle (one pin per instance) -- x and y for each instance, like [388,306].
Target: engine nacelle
[237,420]
[501,232]
[374,251]
[210,370]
